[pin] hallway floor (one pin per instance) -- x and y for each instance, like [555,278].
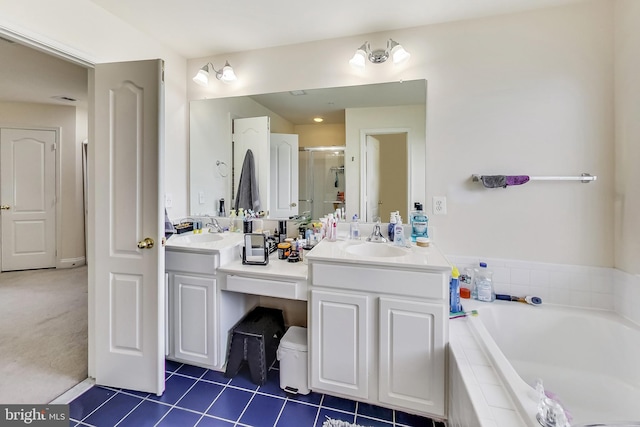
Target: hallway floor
[199,397]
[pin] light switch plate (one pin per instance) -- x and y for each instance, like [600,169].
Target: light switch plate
[168,200]
[201,197]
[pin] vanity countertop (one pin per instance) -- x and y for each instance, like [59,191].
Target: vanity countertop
[205,242]
[380,254]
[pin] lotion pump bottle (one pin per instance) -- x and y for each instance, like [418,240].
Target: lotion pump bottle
[398,233]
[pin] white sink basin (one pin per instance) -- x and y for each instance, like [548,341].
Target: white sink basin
[378,250]
[197,238]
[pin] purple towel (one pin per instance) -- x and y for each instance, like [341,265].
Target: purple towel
[517,179]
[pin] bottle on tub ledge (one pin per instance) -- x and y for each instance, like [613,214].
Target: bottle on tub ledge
[483,284]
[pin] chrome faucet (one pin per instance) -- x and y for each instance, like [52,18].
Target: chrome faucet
[214,226]
[376,235]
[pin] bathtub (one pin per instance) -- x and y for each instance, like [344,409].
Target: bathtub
[589,359]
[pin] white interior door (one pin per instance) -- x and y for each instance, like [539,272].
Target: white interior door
[128,273]
[252,133]
[28,198]
[372,179]
[284,175]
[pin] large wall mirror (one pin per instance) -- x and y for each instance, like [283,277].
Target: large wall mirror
[368,155]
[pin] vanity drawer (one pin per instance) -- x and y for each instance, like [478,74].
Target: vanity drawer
[191,262]
[266,287]
[387,281]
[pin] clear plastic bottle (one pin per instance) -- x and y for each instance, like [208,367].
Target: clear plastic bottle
[483,284]
[354,229]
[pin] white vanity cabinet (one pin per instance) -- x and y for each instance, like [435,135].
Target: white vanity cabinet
[192,317]
[194,320]
[379,334]
[340,336]
[199,314]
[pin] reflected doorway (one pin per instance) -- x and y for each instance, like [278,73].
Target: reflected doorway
[321,180]
[385,179]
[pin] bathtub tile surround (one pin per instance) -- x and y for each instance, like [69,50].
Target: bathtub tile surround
[197,396]
[627,295]
[488,404]
[573,285]
[476,394]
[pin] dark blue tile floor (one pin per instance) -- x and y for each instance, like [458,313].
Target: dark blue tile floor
[200,397]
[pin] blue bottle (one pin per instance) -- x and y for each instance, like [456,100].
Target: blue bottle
[419,222]
[392,225]
[454,291]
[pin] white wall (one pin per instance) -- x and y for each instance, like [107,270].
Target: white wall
[627,131]
[528,93]
[210,141]
[84,30]
[25,115]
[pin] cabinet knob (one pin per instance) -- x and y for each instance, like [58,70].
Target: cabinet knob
[5,207]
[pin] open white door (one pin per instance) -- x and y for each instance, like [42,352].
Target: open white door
[128,225]
[252,133]
[28,198]
[284,175]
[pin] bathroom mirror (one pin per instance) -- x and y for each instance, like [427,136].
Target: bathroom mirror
[350,115]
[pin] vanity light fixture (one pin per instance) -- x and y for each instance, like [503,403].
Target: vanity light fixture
[394,49]
[225,74]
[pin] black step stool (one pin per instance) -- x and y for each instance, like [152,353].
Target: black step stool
[255,340]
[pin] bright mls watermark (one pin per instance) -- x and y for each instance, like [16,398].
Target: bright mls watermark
[34,415]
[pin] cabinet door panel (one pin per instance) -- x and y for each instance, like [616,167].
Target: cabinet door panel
[339,338]
[194,321]
[412,355]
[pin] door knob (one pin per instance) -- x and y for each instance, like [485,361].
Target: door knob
[147,243]
[293,205]
[4,207]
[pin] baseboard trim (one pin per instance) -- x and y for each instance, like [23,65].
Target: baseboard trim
[74,392]
[71,262]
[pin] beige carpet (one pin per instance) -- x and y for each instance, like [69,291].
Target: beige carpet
[43,333]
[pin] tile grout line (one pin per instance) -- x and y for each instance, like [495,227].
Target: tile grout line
[205,412]
[245,408]
[183,395]
[318,411]
[99,406]
[275,423]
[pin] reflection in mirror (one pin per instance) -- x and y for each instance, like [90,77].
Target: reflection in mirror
[350,114]
[322,183]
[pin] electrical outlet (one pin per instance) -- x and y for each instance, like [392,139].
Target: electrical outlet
[439,205]
[168,200]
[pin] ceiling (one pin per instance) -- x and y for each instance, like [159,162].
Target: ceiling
[197,28]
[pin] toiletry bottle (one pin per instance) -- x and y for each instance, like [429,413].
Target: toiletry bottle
[354,229]
[419,222]
[484,284]
[331,228]
[392,225]
[398,233]
[232,220]
[454,291]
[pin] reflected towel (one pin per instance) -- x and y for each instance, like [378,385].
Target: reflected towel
[169,229]
[248,196]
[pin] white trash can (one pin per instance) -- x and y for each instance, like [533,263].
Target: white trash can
[292,354]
